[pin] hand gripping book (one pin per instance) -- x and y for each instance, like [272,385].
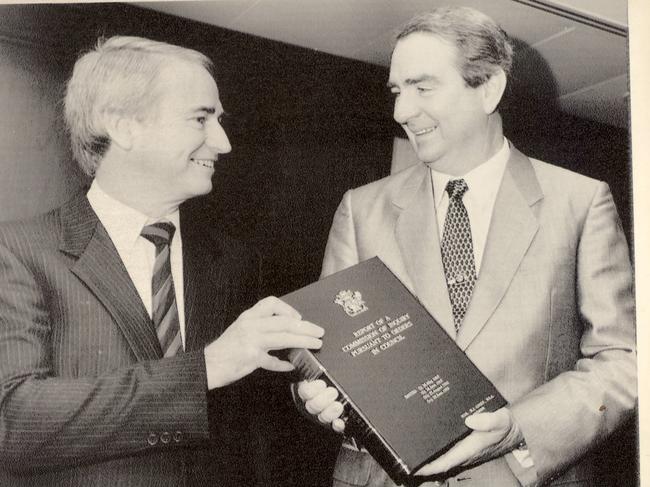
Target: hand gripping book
[406,385]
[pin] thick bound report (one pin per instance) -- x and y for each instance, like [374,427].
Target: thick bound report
[407,386]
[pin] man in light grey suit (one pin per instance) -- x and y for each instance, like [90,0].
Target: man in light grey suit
[523,263]
[128,325]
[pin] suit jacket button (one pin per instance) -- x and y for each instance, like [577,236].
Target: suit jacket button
[152,439]
[178,436]
[166,437]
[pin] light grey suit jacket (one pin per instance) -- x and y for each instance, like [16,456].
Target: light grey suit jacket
[551,320]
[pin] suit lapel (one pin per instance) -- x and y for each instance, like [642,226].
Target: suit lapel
[416,232]
[99,266]
[511,232]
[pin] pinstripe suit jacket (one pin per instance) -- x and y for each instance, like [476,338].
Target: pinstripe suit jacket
[551,319]
[85,396]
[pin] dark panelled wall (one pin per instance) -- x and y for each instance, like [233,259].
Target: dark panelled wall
[304,126]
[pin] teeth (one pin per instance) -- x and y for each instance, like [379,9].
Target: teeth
[204,162]
[424,131]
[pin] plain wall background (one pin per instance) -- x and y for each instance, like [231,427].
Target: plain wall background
[36,173]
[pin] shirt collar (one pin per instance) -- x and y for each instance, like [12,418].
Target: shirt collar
[122,222]
[483,180]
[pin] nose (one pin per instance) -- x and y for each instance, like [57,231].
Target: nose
[405,108]
[216,138]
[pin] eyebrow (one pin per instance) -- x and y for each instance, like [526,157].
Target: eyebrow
[209,110]
[414,81]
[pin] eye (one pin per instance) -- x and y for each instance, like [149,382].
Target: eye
[423,89]
[223,118]
[201,120]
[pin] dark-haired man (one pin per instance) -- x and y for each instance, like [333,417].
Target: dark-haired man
[523,263]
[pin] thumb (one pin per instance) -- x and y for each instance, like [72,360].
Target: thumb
[497,420]
[274,364]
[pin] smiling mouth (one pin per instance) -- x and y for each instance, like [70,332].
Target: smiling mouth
[209,163]
[424,131]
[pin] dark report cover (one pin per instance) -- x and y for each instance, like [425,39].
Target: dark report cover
[407,385]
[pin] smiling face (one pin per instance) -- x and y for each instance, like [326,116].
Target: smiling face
[445,119]
[174,149]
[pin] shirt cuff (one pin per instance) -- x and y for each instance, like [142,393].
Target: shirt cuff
[521,463]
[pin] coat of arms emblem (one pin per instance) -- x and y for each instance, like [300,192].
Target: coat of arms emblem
[351,302]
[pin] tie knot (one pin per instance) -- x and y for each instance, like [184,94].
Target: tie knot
[456,188]
[159,233]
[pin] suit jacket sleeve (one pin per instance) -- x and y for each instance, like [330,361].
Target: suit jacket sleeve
[48,421]
[577,409]
[341,250]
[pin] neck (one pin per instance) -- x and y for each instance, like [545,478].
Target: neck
[458,163]
[132,190]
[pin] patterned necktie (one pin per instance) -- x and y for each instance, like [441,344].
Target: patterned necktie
[164,311]
[458,252]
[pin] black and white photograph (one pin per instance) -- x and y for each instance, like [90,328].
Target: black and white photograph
[304,243]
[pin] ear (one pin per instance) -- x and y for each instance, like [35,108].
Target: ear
[493,90]
[120,130]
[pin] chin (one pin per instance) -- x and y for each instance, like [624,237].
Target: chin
[205,190]
[200,189]
[428,157]
[427,152]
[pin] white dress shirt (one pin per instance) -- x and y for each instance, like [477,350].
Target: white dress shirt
[483,184]
[138,254]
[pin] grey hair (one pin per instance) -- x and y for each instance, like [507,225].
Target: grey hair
[119,76]
[482,45]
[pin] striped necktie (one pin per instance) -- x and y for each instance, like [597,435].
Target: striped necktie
[458,252]
[164,311]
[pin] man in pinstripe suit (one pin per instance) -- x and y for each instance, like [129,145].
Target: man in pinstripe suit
[88,393]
